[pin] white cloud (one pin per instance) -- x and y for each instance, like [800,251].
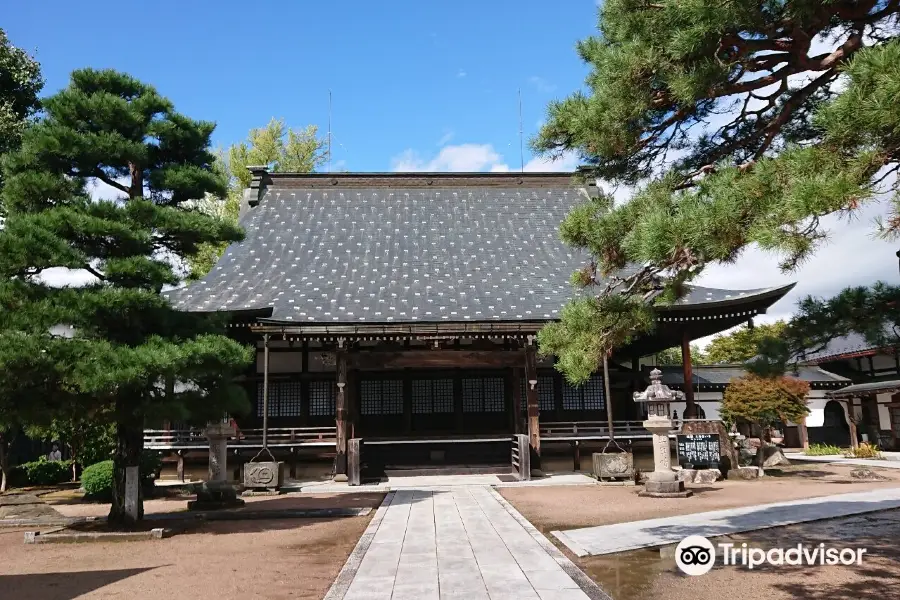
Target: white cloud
[460,73]
[476,158]
[58,277]
[852,256]
[102,191]
[461,157]
[541,84]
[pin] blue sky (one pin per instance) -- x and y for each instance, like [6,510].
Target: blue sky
[408,78]
[416,85]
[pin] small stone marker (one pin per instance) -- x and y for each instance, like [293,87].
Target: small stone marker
[132,491]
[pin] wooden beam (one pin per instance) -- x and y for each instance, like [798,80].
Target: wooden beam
[690,411]
[531,396]
[436,359]
[513,378]
[340,416]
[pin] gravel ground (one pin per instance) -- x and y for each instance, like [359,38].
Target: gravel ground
[270,559]
[644,574]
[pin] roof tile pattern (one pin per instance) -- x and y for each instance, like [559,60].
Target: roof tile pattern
[381,255]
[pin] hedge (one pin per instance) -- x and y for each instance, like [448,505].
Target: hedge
[43,472]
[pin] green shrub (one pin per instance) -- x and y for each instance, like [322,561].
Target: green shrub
[822,450]
[43,472]
[97,480]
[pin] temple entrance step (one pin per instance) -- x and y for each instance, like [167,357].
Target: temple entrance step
[420,470]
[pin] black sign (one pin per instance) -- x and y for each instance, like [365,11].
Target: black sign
[699,449]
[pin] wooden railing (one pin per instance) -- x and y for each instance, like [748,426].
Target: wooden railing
[587,430]
[278,437]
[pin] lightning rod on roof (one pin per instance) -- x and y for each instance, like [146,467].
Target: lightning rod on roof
[329,130]
[521,143]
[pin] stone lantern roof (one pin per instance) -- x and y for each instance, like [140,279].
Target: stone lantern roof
[657,391]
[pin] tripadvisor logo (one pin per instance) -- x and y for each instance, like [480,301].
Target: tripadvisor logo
[696,555]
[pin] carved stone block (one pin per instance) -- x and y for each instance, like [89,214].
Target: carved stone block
[267,475]
[613,465]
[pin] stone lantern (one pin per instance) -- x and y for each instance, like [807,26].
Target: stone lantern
[663,482]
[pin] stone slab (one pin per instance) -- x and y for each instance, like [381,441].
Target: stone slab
[634,535]
[36,537]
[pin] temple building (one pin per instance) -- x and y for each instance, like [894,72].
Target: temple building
[402,309]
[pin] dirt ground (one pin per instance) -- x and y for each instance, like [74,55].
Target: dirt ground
[644,574]
[271,559]
[875,579]
[568,507]
[178,504]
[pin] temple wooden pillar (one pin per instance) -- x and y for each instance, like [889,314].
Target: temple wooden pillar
[531,400]
[513,379]
[690,411]
[352,398]
[340,417]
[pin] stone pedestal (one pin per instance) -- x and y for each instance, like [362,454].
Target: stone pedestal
[663,482]
[217,493]
[218,434]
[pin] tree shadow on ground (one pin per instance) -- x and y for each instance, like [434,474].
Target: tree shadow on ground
[230,522]
[805,473]
[62,586]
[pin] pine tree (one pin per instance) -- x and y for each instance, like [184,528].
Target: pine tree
[127,346]
[736,129]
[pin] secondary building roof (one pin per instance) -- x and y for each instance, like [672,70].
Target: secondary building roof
[717,377]
[848,346]
[867,389]
[407,248]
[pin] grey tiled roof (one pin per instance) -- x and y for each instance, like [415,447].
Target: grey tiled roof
[848,344]
[393,254]
[722,374]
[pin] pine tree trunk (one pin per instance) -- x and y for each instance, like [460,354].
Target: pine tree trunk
[129,445]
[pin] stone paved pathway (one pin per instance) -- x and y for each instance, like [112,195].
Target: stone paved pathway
[461,543]
[891,463]
[621,537]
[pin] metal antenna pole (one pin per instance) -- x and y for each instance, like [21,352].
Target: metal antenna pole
[329,131]
[521,143]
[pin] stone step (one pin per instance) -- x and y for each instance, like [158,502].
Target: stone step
[419,470]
